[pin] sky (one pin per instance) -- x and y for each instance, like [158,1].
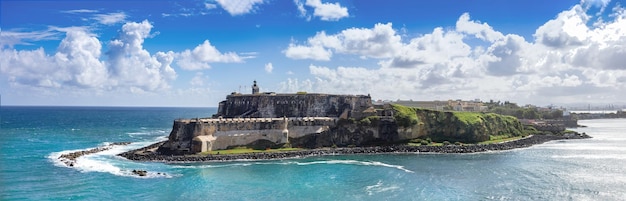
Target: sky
[194,53]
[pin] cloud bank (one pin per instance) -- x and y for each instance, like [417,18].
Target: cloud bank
[571,58]
[79,63]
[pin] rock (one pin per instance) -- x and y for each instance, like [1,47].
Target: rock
[141,173]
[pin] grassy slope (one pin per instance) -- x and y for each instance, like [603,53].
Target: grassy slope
[489,126]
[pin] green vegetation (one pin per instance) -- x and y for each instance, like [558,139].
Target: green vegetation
[469,117]
[246,150]
[512,109]
[369,121]
[301,92]
[502,138]
[405,116]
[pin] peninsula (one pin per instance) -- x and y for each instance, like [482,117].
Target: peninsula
[327,124]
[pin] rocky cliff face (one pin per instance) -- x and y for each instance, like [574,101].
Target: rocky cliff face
[393,123]
[453,126]
[410,123]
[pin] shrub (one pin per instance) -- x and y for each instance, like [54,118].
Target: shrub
[424,142]
[446,143]
[458,143]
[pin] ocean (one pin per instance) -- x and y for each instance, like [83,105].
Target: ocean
[32,139]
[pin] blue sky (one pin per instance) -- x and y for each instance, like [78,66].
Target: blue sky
[194,53]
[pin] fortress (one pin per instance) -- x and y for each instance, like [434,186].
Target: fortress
[265,120]
[269,120]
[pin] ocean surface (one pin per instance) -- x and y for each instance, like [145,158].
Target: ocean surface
[32,139]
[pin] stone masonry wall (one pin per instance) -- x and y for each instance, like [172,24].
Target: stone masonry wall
[232,132]
[292,105]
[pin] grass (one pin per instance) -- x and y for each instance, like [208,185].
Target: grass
[245,150]
[469,117]
[499,139]
[492,140]
[405,116]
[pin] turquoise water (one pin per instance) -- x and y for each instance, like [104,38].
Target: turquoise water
[32,138]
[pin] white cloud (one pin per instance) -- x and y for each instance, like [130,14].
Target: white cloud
[568,29]
[269,67]
[325,11]
[110,18]
[133,66]
[210,6]
[308,52]
[239,7]
[301,9]
[78,11]
[574,57]
[9,38]
[203,54]
[481,31]
[198,80]
[381,41]
[78,64]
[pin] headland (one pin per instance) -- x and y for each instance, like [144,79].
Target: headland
[329,124]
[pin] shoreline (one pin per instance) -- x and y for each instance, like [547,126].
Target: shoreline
[149,154]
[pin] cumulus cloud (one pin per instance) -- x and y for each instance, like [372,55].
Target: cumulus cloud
[203,54]
[378,42]
[269,67]
[325,11]
[573,55]
[239,7]
[77,63]
[481,31]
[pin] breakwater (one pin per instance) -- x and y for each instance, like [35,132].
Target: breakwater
[138,155]
[70,158]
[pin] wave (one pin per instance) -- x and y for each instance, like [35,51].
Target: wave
[146,132]
[107,161]
[586,147]
[343,162]
[592,156]
[379,187]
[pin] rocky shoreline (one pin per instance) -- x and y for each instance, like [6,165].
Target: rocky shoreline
[70,158]
[149,153]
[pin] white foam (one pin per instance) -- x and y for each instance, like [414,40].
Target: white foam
[345,162]
[586,147]
[590,156]
[107,161]
[380,187]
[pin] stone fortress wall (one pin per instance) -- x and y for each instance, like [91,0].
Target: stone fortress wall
[292,105]
[263,118]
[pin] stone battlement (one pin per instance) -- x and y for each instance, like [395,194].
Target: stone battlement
[263,119]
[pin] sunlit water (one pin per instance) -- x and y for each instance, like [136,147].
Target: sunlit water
[32,139]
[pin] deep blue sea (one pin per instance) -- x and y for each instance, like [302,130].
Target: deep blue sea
[32,138]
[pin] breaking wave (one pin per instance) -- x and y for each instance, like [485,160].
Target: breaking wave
[334,162]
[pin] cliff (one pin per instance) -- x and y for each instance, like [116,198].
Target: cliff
[390,124]
[469,127]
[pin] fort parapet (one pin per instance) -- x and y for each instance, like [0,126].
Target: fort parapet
[271,105]
[263,120]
